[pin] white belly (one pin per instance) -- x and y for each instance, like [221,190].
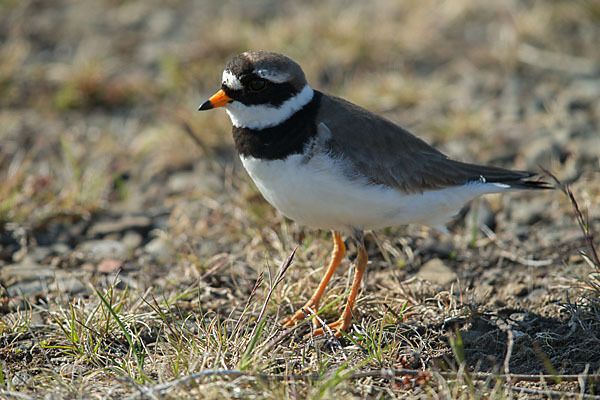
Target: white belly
[316,193]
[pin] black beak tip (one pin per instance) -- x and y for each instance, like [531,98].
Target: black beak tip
[207,105]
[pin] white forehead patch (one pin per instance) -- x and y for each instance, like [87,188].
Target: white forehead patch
[231,81]
[273,76]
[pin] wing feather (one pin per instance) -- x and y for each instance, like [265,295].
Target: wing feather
[385,153]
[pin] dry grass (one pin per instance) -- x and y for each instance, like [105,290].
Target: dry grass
[96,101]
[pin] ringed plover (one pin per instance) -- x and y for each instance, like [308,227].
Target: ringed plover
[329,164]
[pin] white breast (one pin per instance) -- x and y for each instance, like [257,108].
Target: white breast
[318,194]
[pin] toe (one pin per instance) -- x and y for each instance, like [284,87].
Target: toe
[293,319]
[337,328]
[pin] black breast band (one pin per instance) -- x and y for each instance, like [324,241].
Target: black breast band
[280,141]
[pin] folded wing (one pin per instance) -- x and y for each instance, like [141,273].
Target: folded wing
[387,154]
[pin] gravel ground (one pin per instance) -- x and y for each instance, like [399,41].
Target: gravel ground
[109,179]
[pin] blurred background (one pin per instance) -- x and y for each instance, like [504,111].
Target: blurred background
[98,104]
[110,179]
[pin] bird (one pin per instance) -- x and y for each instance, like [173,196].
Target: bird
[329,164]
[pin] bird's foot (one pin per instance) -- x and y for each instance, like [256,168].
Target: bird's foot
[336,328]
[299,315]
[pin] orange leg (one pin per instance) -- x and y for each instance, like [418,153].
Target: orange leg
[345,320]
[339,249]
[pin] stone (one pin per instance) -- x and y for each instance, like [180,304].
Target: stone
[26,288]
[39,253]
[196,181]
[26,270]
[97,250]
[109,265]
[132,240]
[139,223]
[67,284]
[158,249]
[29,278]
[436,271]
[21,379]
[60,248]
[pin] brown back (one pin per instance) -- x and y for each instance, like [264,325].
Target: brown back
[388,154]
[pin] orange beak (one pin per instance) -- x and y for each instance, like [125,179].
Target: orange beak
[217,100]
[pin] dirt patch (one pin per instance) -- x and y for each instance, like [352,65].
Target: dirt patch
[130,252]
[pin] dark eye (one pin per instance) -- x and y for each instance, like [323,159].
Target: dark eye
[257,85]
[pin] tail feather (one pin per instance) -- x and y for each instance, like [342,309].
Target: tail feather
[519,180]
[513,179]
